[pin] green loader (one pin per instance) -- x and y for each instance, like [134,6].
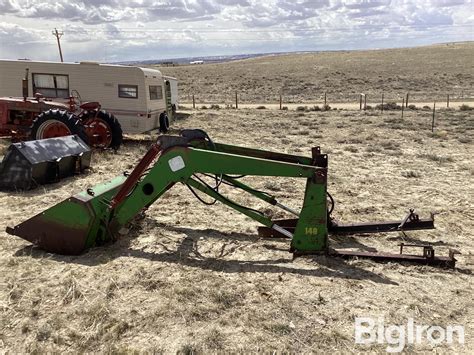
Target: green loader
[96,216]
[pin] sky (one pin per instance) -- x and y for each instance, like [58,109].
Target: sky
[121,30]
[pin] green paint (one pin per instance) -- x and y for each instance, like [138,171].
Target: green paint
[311,231]
[98,223]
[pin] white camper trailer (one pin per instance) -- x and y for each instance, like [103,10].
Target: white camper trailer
[136,96]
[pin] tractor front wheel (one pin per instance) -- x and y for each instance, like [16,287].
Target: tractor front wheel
[56,123]
[103,130]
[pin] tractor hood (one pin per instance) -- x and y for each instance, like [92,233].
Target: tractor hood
[32,104]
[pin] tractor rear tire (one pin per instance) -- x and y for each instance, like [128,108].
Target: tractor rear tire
[115,128]
[102,128]
[56,123]
[164,122]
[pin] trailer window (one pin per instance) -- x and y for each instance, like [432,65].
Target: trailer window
[128,91]
[51,85]
[156,92]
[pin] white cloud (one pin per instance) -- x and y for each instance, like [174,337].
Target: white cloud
[99,29]
[448,3]
[365,4]
[15,34]
[96,12]
[7,6]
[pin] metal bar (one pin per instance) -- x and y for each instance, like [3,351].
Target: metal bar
[248,212]
[261,195]
[266,232]
[287,209]
[264,154]
[444,261]
[287,224]
[216,162]
[376,227]
[282,231]
[406,219]
[370,227]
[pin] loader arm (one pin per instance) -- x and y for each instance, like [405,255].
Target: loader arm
[179,164]
[95,216]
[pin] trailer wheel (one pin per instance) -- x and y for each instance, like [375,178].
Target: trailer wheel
[103,129]
[56,123]
[164,122]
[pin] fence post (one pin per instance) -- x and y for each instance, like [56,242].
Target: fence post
[382,102]
[194,103]
[236,101]
[365,102]
[280,102]
[406,101]
[447,101]
[433,121]
[360,103]
[403,105]
[325,100]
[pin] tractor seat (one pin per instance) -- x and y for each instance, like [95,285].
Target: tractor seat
[89,106]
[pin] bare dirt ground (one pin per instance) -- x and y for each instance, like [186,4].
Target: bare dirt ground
[427,73]
[197,278]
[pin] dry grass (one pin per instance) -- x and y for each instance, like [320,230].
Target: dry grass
[3,147]
[428,73]
[191,278]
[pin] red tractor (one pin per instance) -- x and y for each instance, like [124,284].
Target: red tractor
[38,118]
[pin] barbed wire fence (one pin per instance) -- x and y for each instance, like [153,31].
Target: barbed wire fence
[363,100]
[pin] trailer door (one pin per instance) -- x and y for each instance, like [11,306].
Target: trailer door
[170,109]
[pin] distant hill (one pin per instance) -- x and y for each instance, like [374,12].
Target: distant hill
[187,60]
[427,73]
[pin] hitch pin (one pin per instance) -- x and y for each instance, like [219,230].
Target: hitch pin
[282,231]
[288,209]
[405,220]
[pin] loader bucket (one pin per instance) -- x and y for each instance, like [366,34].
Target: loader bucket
[74,225]
[29,164]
